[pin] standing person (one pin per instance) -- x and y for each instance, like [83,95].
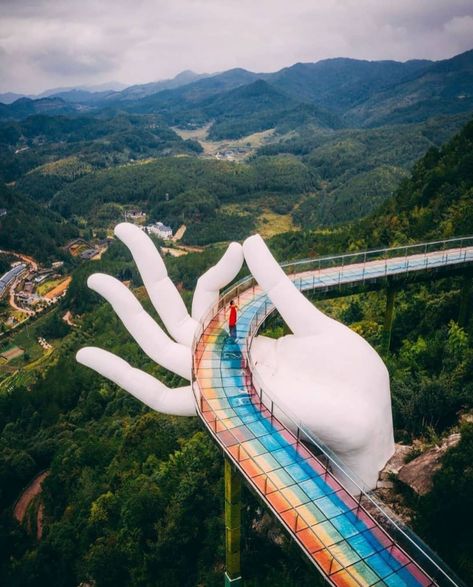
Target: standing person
[232,320]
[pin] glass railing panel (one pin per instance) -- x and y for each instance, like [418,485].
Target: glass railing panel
[238,453]
[227,438]
[278,502]
[310,540]
[265,484]
[293,520]
[327,562]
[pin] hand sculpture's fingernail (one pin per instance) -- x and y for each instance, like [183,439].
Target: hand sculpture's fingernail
[97,280]
[84,355]
[235,251]
[126,230]
[252,240]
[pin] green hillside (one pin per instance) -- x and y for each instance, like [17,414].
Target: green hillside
[97,141]
[444,87]
[363,93]
[340,84]
[355,127]
[271,181]
[31,229]
[434,202]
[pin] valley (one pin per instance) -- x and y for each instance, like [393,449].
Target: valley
[233,150]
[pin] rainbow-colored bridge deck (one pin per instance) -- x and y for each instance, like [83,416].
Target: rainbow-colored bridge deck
[345,542]
[340,537]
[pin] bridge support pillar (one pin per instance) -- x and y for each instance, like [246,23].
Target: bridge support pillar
[232,526]
[465,301]
[388,318]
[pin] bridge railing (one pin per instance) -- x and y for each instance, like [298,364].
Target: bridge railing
[454,251]
[419,256]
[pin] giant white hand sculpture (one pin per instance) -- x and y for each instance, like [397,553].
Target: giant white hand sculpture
[174,355]
[330,378]
[325,374]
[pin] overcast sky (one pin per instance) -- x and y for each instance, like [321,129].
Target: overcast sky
[56,43]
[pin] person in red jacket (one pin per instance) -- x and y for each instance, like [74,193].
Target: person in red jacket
[232,320]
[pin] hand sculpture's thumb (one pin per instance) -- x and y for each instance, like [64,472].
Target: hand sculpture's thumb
[299,314]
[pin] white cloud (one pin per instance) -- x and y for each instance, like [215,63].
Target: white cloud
[47,43]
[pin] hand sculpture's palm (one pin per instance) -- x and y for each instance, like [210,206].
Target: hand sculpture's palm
[326,375]
[329,377]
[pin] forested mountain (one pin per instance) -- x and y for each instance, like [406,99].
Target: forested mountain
[189,96]
[314,112]
[258,106]
[356,169]
[41,140]
[364,93]
[312,167]
[142,90]
[25,107]
[135,92]
[9,97]
[433,202]
[444,87]
[197,193]
[29,228]
[340,84]
[320,177]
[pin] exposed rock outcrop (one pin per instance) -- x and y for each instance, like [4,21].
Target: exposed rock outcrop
[395,463]
[419,472]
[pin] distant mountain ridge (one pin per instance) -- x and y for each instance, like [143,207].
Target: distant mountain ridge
[91,94]
[446,87]
[25,107]
[340,83]
[332,93]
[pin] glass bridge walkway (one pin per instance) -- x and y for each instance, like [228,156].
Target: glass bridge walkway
[348,536]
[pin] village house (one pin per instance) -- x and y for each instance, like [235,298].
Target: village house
[160,230]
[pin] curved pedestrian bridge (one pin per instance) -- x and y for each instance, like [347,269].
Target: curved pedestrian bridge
[347,536]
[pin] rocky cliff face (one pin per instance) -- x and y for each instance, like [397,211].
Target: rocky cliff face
[419,472]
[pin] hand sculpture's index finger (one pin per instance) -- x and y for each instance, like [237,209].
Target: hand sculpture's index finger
[161,290]
[300,315]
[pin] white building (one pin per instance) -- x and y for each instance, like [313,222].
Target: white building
[159,229]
